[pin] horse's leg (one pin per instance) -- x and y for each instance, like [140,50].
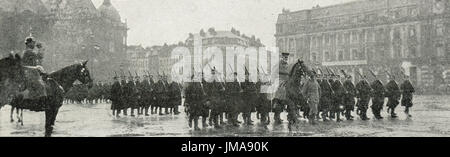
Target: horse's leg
[48,126]
[21,117]
[12,114]
[18,115]
[55,113]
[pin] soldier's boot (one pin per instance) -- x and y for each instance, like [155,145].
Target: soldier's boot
[132,113]
[190,122]
[196,123]
[365,115]
[152,109]
[160,111]
[338,117]
[332,115]
[215,121]
[277,118]
[324,116]
[125,112]
[118,113]
[176,112]
[362,115]
[221,119]
[258,115]
[146,111]
[393,114]
[204,124]
[349,115]
[407,112]
[263,119]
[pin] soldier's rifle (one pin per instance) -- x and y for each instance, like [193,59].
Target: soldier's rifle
[237,78]
[219,81]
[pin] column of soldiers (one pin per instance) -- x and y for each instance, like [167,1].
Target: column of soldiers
[79,94]
[144,97]
[218,100]
[338,98]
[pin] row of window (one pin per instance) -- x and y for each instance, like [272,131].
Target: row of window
[341,38]
[364,18]
[340,55]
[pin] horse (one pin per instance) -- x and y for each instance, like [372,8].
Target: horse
[57,84]
[291,88]
[11,78]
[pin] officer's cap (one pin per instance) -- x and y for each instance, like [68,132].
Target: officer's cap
[29,39]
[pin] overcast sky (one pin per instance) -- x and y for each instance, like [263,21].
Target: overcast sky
[155,22]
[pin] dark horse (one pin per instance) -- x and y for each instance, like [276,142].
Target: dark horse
[294,99]
[57,84]
[11,78]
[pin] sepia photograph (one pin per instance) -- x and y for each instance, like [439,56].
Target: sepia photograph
[224,68]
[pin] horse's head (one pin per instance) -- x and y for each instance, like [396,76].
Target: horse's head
[298,70]
[11,69]
[12,76]
[82,74]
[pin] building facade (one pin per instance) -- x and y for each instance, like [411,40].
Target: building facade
[408,35]
[70,30]
[143,61]
[222,40]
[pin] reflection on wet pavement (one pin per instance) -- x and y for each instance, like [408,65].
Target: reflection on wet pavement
[431,118]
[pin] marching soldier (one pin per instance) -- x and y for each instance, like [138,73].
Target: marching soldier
[160,92]
[325,97]
[132,96]
[263,104]
[141,88]
[194,96]
[338,96]
[165,99]
[174,97]
[216,90]
[312,95]
[146,94]
[234,100]
[349,97]
[153,96]
[393,94]
[205,104]
[123,96]
[407,92]
[249,96]
[115,97]
[363,94]
[377,97]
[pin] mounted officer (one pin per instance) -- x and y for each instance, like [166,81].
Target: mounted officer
[35,84]
[280,96]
